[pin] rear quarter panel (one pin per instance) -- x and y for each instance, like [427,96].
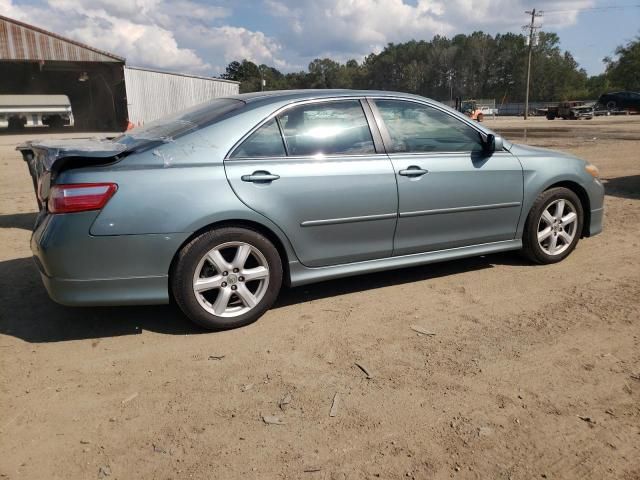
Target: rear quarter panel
[178,187]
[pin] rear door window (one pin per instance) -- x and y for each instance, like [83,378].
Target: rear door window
[327,128]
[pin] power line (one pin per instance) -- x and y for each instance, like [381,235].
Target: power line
[586,9]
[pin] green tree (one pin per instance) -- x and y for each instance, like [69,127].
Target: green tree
[324,73]
[597,85]
[251,76]
[468,66]
[623,71]
[555,74]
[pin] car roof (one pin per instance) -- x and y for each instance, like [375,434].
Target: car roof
[274,96]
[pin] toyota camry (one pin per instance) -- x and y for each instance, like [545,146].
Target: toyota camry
[219,206]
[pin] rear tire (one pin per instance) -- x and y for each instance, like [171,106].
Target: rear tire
[480,117]
[553,227]
[226,277]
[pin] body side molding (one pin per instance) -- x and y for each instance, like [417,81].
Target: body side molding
[335,221]
[459,209]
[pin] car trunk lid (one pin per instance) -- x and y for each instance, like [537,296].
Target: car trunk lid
[47,157]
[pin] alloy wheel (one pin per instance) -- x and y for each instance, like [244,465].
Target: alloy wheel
[557,227]
[231,279]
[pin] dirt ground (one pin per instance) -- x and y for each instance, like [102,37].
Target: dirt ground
[533,371]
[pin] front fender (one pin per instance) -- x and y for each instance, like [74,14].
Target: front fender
[542,169]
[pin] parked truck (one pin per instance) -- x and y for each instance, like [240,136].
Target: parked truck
[20,111]
[571,110]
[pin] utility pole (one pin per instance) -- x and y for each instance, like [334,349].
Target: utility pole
[532,28]
[449,74]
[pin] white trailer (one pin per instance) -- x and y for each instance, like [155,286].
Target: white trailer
[19,111]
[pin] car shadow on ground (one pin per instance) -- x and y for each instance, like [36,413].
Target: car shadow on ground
[27,313]
[373,281]
[25,221]
[623,187]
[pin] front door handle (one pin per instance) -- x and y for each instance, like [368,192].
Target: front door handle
[260,176]
[413,171]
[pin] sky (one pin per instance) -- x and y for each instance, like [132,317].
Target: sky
[203,36]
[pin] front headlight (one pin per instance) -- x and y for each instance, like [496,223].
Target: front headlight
[592,170]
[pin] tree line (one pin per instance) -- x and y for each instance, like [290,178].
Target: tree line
[467,66]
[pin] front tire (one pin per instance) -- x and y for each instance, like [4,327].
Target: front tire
[226,277]
[553,227]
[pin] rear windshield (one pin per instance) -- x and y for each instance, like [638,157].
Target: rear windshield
[169,128]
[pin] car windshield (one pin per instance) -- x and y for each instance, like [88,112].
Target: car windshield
[174,126]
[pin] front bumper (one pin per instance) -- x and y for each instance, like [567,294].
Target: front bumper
[595,191]
[80,269]
[597,219]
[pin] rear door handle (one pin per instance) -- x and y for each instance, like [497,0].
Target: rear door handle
[260,176]
[413,171]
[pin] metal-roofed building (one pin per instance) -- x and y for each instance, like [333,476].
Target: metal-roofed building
[20,41]
[153,94]
[104,93]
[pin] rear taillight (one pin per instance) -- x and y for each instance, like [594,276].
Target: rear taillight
[80,197]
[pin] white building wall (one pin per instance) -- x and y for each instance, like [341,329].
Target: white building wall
[153,94]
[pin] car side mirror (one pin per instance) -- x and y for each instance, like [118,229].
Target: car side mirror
[493,143]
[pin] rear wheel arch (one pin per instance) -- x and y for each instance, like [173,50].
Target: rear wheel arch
[226,277]
[250,225]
